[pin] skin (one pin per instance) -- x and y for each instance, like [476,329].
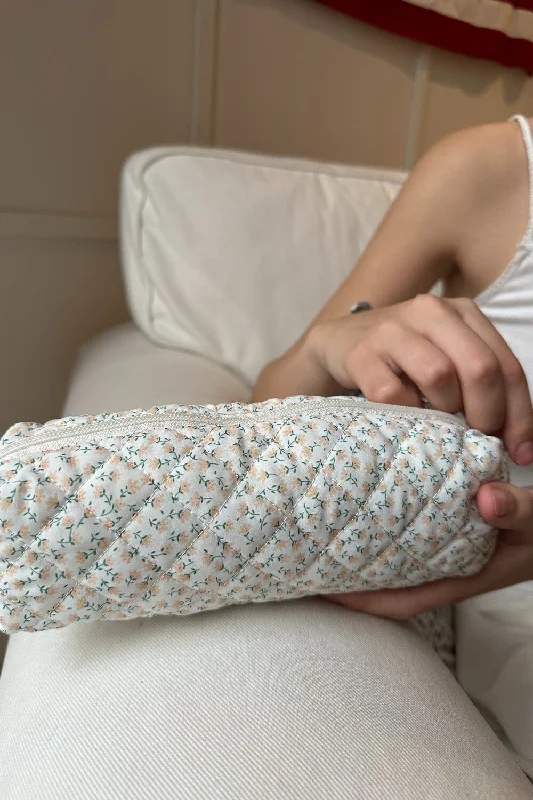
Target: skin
[457,219]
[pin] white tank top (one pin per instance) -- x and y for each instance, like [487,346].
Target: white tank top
[508,302]
[495,630]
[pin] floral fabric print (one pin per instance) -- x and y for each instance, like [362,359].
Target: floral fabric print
[438,626]
[235,509]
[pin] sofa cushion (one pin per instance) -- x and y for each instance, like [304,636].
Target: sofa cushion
[230,255]
[121,369]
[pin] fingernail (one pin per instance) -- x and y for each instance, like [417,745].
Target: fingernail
[501,501]
[524,454]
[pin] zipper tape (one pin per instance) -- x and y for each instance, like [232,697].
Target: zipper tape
[64,436]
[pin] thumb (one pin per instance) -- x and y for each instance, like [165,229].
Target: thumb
[505,506]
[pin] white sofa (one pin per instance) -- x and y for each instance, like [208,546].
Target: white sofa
[226,258]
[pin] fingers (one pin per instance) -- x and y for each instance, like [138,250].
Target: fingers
[478,369]
[445,350]
[518,424]
[397,604]
[427,366]
[507,507]
[377,379]
[374,364]
[512,563]
[403,604]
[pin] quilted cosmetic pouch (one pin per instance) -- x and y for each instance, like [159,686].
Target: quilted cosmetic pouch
[180,509]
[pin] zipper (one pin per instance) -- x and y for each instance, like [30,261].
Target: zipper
[60,436]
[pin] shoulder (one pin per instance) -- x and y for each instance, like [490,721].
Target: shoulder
[474,161]
[468,179]
[481,177]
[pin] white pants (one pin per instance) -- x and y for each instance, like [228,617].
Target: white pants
[302,700]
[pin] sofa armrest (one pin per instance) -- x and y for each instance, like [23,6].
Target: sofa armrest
[122,369]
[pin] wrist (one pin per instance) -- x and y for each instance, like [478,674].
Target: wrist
[311,355]
[298,371]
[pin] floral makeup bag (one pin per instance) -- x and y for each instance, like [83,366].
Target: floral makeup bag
[181,509]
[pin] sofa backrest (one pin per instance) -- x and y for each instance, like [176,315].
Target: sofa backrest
[230,255]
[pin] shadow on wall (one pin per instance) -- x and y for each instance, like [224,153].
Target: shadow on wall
[452,70]
[345,31]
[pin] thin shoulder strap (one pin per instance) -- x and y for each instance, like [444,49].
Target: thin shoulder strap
[528,141]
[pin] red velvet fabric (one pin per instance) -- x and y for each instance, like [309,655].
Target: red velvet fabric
[404,18]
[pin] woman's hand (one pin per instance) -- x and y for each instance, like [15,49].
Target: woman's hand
[506,507]
[447,351]
[443,349]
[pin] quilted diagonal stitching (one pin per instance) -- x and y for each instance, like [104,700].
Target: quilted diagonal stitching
[45,559]
[74,496]
[301,575]
[389,535]
[205,528]
[223,541]
[201,523]
[378,485]
[394,540]
[287,515]
[473,478]
[39,468]
[90,513]
[68,498]
[215,533]
[102,555]
[273,439]
[163,488]
[424,507]
[341,436]
[420,511]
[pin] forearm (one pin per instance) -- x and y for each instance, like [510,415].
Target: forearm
[415,246]
[300,370]
[295,372]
